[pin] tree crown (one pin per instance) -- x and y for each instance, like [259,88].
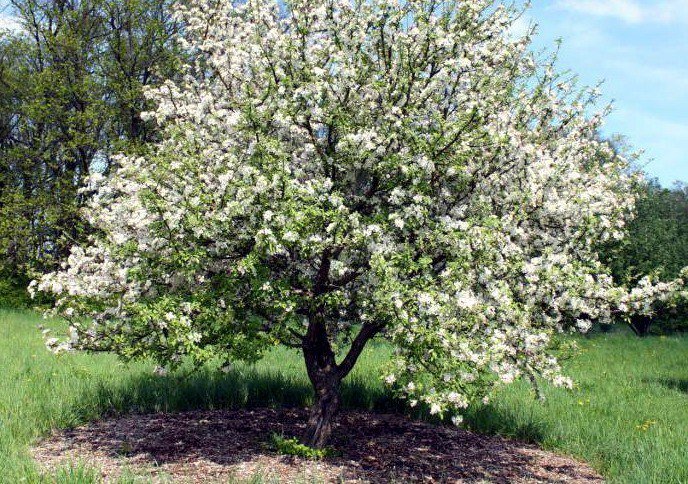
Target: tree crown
[407,169]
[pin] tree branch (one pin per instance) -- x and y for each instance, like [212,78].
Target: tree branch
[368,331]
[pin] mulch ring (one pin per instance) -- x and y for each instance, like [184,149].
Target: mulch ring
[231,445]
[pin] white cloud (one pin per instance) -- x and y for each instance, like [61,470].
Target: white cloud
[521,27]
[8,22]
[631,11]
[626,10]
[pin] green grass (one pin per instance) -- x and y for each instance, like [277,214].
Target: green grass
[628,416]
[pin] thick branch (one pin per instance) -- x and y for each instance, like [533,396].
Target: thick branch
[368,331]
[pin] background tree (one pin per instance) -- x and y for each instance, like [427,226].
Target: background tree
[657,243]
[15,177]
[331,172]
[72,88]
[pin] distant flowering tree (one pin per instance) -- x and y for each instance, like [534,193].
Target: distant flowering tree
[339,170]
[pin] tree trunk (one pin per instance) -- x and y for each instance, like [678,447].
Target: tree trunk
[640,324]
[323,371]
[326,378]
[319,425]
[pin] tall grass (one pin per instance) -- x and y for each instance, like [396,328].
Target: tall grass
[628,416]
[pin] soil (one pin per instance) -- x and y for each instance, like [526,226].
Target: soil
[233,445]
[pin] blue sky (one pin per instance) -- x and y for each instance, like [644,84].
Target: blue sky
[640,49]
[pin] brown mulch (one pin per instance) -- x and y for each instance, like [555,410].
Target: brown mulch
[229,445]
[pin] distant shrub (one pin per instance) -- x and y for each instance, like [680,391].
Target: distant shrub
[670,319]
[13,294]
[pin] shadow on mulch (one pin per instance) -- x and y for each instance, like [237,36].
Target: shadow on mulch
[208,446]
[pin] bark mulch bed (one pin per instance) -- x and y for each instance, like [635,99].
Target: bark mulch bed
[229,445]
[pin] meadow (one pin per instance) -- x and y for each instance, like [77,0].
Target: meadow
[627,416]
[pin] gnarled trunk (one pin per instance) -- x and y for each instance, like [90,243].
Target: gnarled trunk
[322,413]
[640,324]
[326,375]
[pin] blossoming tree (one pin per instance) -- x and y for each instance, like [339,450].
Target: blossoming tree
[337,171]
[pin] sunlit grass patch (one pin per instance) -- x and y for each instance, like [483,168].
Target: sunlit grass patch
[627,416]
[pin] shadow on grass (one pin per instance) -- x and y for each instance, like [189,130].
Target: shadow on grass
[679,384]
[250,389]
[206,389]
[500,421]
[253,403]
[144,393]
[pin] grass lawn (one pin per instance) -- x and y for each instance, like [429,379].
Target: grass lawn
[628,416]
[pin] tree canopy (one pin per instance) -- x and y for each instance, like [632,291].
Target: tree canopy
[332,171]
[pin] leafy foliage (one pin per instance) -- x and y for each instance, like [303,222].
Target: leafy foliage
[657,238]
[13,293]
[71,90]
[292,446]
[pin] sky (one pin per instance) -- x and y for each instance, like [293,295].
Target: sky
[639,48]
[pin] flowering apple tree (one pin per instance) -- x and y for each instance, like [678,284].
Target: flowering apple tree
[337,171]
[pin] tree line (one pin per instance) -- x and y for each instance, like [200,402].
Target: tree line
[72,87]
[657,244]
[71,93]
